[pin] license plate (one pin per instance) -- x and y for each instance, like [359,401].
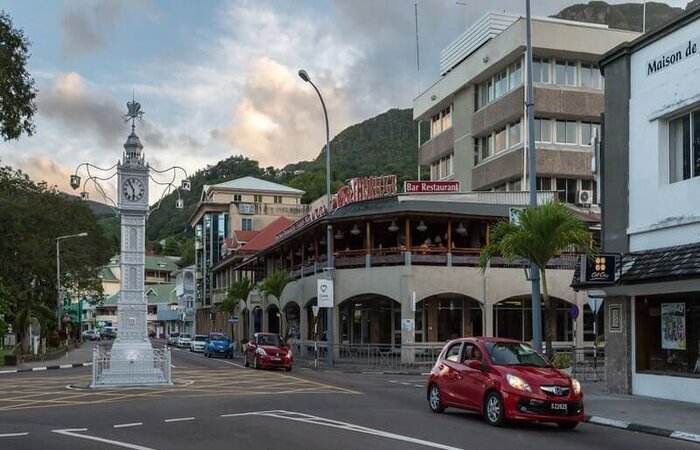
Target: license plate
[276,359]
[560,407]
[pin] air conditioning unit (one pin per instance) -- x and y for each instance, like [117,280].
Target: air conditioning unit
[584,197]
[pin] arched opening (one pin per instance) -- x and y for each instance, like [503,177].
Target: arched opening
[273,319]
[257,319]
[291,315]
[370,319]
[512,318]
[442,317]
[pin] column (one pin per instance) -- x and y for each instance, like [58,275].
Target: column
[408,334]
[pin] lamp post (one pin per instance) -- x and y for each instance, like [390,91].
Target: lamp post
[329,229]
[58,273]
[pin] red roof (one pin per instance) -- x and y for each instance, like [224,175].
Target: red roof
[245,236]
[267,236]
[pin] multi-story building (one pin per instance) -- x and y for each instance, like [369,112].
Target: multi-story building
[229,215]
[184,291]
[162,314]
[650,215]
[476,110]
[158,270]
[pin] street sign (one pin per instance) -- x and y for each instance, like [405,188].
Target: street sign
[315,309]
[573,312]
[233,320]
[324,293]
[595,303]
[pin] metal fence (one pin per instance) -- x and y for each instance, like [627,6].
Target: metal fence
[136,368]
[587,364]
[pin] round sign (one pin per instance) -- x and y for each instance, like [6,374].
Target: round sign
[573,312]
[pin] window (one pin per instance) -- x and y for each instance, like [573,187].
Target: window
[477,150]
[500,187]
[544,184]
[500,139]
[543,130]
[501,84]
[452,353]
[590,76]
[541,69]
[514,185]
[433,172]
[514,134]
[471,352]
[237,197]
[443,168]
[567,188]
[679,133]
[247,224]
[447,118]
[485,145]
[450,164]
[566,132]
[587,131]
[257,198]
[515,74]
[485,94]
[278,199]
[435,128]
[565,73]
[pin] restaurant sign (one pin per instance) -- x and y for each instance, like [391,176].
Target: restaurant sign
[355,190]
[430,187]
[598,269]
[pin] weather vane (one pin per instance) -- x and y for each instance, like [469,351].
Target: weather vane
[133,112]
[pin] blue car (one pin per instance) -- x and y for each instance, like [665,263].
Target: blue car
[218,344]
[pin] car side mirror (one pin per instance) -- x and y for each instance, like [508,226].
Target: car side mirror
[478,365]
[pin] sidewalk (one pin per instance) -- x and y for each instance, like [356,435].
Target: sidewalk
[644,414]
[74,356]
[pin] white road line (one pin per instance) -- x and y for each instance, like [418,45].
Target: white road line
[179,419]
[38,369]
[74,432]
[418,385]
[393,381]
[686,436]
[405,384]
[13,434]
[128,425]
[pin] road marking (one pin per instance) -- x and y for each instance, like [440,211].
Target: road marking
[13,434]
[128,425]
[609,422]
[74,432]
[405,384]
[315,420]
[393,381]
[418,385]
[686,436]
[179,419]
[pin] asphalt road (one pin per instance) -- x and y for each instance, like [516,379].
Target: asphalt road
[228,406]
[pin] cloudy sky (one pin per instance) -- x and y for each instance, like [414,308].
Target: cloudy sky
[219,78]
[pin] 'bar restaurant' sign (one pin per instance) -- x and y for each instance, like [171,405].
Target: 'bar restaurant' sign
[598,269]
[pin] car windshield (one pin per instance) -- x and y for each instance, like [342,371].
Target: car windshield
[515,354]
[200,338]
[218,337]
[185,336]
[270,339]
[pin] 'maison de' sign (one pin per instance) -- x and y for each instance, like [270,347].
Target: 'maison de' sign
[673,56]
[355,190]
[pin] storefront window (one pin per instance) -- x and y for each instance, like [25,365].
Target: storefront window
[667,334]
[513,319]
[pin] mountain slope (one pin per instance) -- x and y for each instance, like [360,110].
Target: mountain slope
[625,16]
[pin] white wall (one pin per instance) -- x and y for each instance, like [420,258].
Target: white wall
[661,214]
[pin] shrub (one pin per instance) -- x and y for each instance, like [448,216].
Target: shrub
[53,340]
[561,361]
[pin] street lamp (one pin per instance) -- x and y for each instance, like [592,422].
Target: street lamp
[329,228]
[58,273]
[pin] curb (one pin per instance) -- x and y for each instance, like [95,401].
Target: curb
[680,435]
[41,369]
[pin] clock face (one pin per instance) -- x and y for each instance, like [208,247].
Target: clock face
[133,189]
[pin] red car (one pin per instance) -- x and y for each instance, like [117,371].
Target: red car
[505,380]
[268,350]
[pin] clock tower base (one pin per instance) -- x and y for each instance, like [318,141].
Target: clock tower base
[131,364]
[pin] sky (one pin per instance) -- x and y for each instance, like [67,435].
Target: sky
[218,78]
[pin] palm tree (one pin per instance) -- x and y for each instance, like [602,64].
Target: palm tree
[274,285]
[538,234]
[237,292]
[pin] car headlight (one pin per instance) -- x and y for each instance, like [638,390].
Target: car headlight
[261,351]
[576,386]
[517,383]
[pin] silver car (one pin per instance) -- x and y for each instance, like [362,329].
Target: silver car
[184,340]
[197,344]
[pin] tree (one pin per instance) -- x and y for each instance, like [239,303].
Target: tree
[538,234]
[17,93]
[237,291]
[186,252]
[274,285]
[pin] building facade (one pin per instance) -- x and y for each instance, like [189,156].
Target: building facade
[650,169]
[476,111]
[228,216]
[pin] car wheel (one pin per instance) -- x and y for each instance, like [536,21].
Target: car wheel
[435,399]
[245,360]
[494,412]
[567,425]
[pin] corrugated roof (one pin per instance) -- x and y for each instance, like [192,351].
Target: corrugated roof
[160,263]
[106,274]
[254,184]
[155,294]
[267,235]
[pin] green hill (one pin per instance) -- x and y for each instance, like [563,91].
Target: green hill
[625,16]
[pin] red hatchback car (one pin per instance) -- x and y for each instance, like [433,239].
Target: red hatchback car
[505,380]
[268,350]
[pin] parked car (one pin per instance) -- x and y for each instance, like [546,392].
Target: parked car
[90,335]
[172,339]
[218,344]
[184,340]
[268,350]
[197,344]
[108,333]
[505,380]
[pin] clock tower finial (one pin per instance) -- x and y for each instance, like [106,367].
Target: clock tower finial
[132,146]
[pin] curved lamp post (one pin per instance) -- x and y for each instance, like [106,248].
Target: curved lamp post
[58,273]
[329,229]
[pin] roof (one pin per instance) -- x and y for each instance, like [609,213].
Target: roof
[160,263]
[254,184]
[689,16]
[155,294]
[245,236]
[267,236]
[106,274]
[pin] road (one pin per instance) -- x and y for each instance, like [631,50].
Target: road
[224,405]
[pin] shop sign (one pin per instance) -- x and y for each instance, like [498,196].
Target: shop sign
[430,187]
[598,269]
[324,293]
[673,56]
[408,324]
[355,190]
[673,326]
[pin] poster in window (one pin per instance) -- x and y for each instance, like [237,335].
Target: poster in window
[673,326]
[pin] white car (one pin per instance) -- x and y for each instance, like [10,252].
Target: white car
[184,340]
[197,344]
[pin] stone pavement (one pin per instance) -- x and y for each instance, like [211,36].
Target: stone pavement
[643,414]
